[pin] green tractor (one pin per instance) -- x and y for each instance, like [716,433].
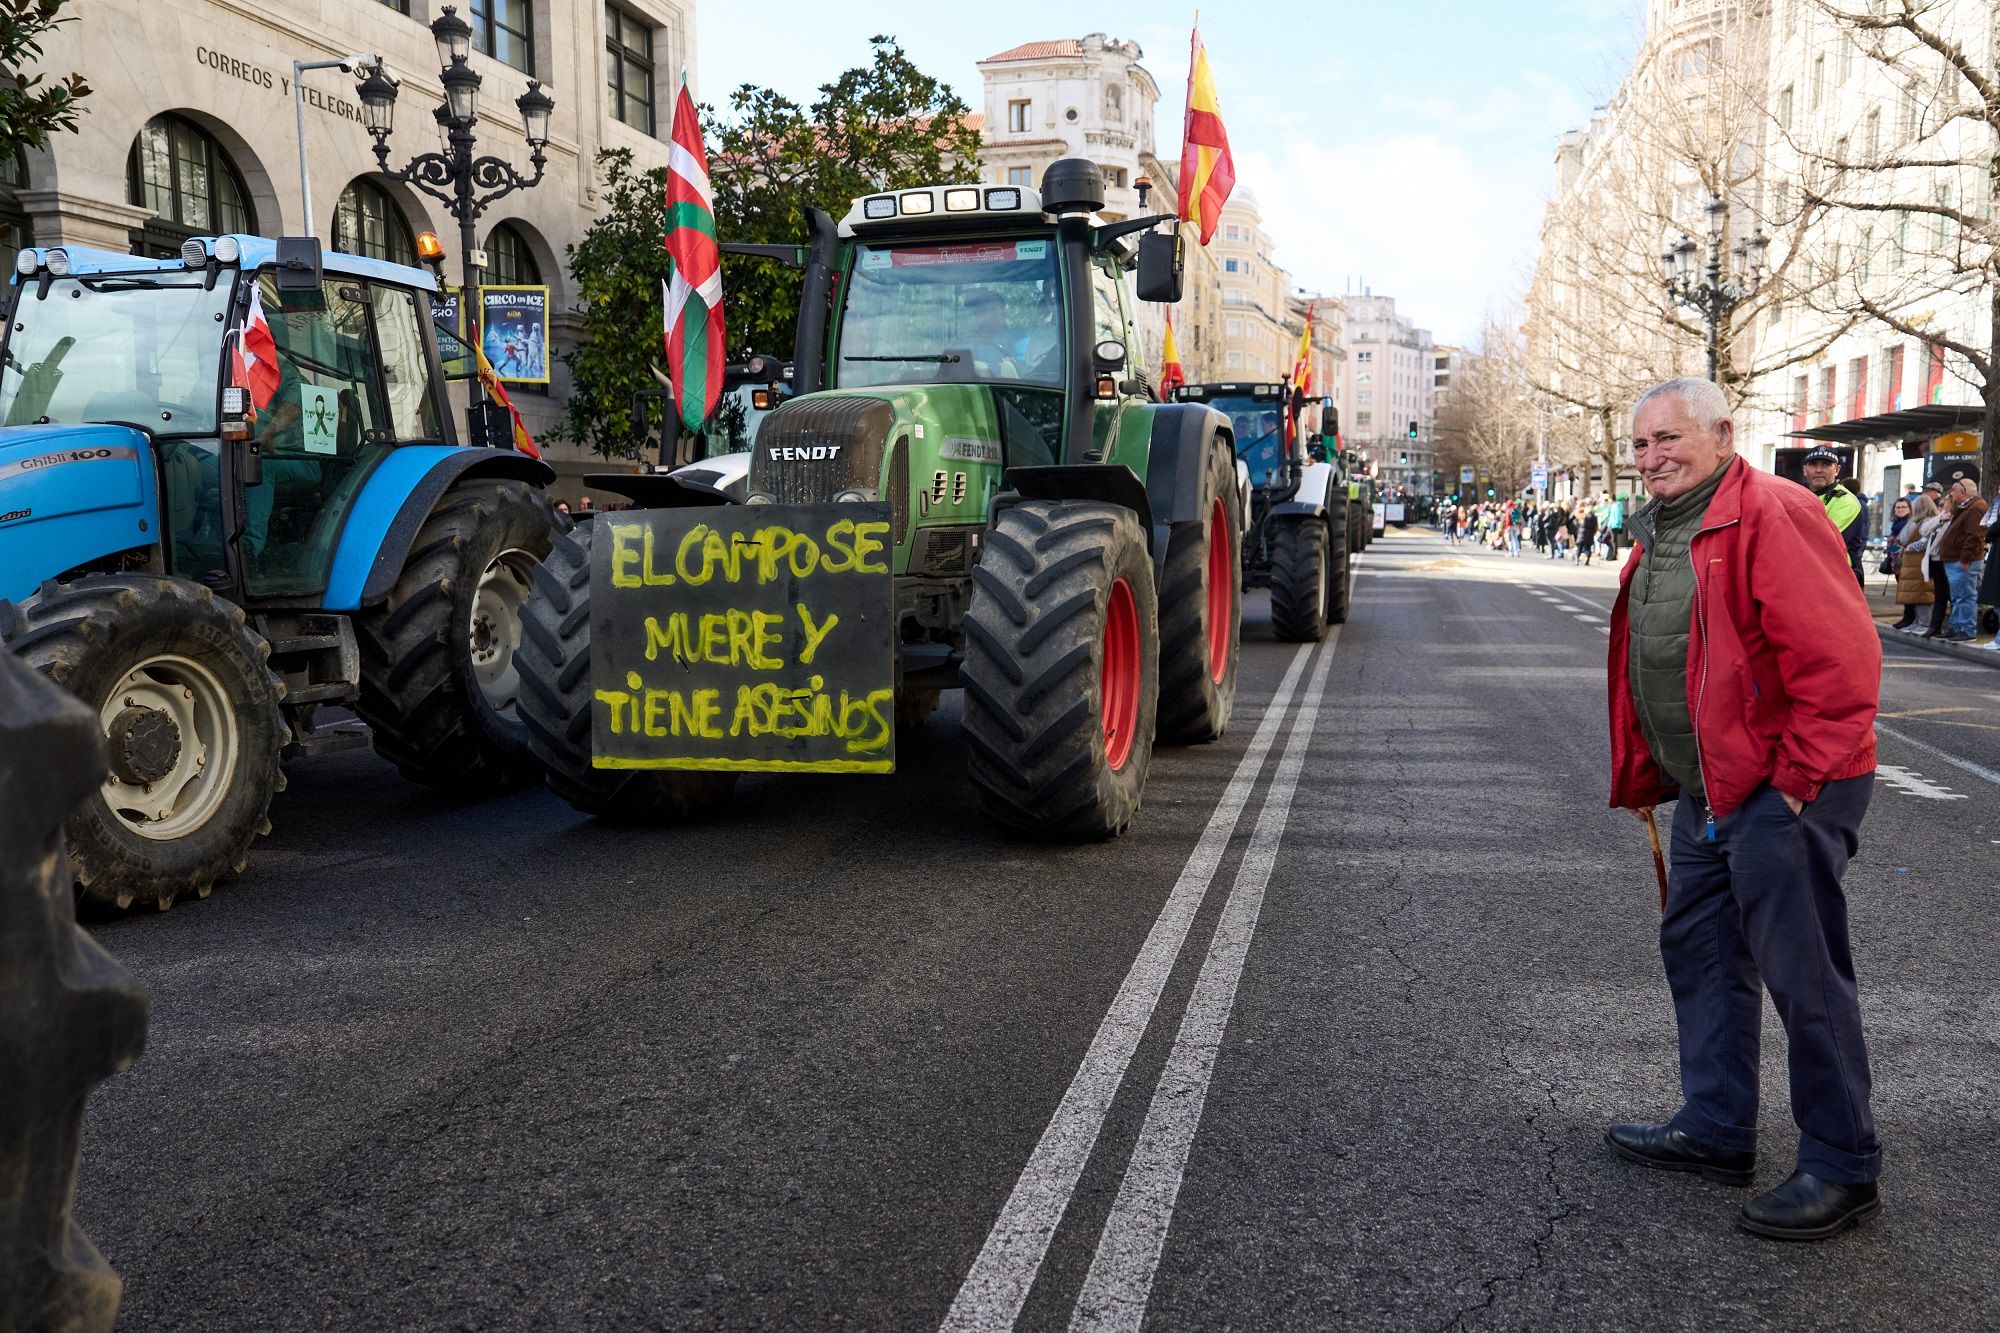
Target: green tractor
[1065,547]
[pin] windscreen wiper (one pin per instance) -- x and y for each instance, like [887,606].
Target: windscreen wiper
[940,358]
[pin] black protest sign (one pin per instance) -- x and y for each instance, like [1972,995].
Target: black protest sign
[743,638]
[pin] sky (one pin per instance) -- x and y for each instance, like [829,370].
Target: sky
[1404,145]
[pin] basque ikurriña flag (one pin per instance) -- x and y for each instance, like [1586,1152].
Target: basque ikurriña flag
[1208,172]
[694,292]
[1171,374]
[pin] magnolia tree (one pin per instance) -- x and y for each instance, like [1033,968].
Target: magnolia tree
[31,106]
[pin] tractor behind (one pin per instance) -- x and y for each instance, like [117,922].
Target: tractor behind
[231,498]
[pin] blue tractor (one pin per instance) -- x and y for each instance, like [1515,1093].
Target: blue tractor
[230,499]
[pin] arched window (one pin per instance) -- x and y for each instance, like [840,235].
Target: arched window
[178,170]
[367,221]
[509,260]
[13,222]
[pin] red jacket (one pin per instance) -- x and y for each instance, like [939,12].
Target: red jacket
[1784,667]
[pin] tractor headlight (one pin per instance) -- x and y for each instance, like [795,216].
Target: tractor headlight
[26,262]
[917,201]
[881,206]
[854,496]
[228,250]
[961,201]
[760,498]
[58,262]
[1003,201]
[193,253]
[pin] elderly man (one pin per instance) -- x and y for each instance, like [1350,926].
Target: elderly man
[1745,676]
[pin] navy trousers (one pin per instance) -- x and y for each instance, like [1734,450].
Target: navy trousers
[1755,901]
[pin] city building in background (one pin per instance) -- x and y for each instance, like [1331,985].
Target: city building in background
[189,130]
[1387,394]
[1072,97]
[1258,335]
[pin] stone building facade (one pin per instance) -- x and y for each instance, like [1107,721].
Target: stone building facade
[1388,382]
[189,129]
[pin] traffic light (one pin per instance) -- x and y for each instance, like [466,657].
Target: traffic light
[1403,458]
[1413,430]
[1489,492]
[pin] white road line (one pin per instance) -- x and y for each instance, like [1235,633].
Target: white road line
[1591,616]
[1914,784]
[1116,1289]
[997,1286]
[1966,764]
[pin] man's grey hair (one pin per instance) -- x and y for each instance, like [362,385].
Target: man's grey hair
[1703,400]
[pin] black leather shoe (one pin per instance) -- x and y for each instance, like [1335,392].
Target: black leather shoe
[1808,1208]
[1668,1149]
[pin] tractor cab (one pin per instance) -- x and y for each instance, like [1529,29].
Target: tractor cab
[1256,413]
[256,395]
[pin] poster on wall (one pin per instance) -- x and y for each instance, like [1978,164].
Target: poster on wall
[444,310]
[514,331]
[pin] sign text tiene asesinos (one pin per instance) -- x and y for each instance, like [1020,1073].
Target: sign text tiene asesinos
[743,638]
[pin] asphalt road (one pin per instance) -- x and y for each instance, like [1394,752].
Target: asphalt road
[1327,1041]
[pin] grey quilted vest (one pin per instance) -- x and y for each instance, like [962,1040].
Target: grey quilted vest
[1659,608]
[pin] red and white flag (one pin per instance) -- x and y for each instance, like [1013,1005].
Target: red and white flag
[256,367]
[694,292]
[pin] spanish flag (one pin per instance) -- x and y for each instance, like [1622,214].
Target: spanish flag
[1302,364]
[1171,374]
[522,440]
[1208,173]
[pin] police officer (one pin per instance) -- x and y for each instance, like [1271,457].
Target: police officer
[1848,511]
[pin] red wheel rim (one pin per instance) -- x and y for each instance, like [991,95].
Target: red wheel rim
[1221,588]
[1121,675]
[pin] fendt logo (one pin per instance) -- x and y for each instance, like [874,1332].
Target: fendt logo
[805,453]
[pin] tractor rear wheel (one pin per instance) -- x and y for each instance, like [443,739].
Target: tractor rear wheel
[439,684]
[190,717]
[554,662]
[1201,614]
[1061,669]
[1300,580]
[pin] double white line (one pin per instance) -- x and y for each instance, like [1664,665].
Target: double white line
[1116,1288]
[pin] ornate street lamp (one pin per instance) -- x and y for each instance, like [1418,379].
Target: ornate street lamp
[1710,295]
[464,183]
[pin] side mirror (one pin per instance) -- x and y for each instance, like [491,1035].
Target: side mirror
[1110,355]
[298,263]
[1161,262]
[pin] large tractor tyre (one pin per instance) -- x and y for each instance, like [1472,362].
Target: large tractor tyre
[1360,526]
[439,685]
[1201,615]
[192,727]
[554,662]
[1061,669]
[1301,583]
[1339,568]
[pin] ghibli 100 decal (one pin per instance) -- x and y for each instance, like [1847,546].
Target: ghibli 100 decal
[101,454]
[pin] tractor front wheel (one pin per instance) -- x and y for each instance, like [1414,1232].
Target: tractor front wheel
[554,663]
[190,716]
[1061,669]
[1340,567]
[1201,614]
[439,684]
[1301,581]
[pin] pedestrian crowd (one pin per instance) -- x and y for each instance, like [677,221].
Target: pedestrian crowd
[1937,540]
[1577,530]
